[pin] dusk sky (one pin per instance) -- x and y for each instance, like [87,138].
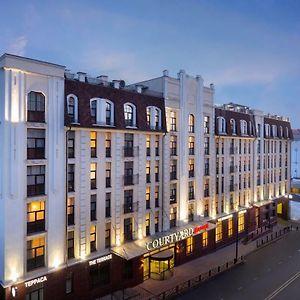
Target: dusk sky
[249,49]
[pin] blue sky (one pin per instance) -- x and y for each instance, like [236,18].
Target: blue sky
[249,49]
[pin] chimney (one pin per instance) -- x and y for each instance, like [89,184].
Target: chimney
[103,79]
[139,88]
[165,73]
[116,84]
[81,76]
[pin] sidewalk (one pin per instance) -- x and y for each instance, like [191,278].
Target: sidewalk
[189,270]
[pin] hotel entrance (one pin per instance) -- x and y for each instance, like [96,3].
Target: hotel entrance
[159,264]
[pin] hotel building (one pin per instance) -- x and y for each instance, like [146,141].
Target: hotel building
[104,185]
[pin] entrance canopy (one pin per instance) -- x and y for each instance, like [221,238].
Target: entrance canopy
[140,247]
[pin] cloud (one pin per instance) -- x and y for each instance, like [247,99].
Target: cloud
[18,46]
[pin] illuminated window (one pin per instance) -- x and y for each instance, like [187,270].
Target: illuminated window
[157,145]
[93,143]
[107,144]
[129,114]
[173,213]
[148,145]
[230,229]
[219,232]
[70,211]
[35,253]
[93,175]
[156,196]
[191,145]
[148,197]
[108,175]
[35,217]
[93,238]
[173,121]
[191,123]
[147,224]
[232,126]
[241,222]
[70,244]
[148,112]
[156,171]
[189,245]
[204,239]
[148,175]
[72,107]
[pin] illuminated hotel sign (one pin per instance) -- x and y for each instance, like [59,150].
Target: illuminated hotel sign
[35,281]
[175,237]
[100,260]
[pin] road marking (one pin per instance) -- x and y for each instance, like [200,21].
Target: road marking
[283,286]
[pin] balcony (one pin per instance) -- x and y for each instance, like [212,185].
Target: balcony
[130,207]
[36,226]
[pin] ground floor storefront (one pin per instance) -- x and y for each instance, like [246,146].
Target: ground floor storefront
[152,257]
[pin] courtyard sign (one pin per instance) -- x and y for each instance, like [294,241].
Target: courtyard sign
[174,237]
[100,260]
[35,281]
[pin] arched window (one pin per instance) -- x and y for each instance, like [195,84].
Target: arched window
[287,132]
[148,112]
[157,122]
[244,127]
[274,130]
[108,113]
[153,117]
[267,130]
[232,126]
[221,125]
[250,128]
[36,107]
[130,114]
[281,131]
[102,112]
[72,108]
[191,123]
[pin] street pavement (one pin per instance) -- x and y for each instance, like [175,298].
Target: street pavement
[272,272]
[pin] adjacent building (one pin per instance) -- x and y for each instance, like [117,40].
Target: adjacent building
[104,185]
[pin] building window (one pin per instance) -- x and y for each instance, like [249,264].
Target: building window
[147,223]
[35,253]
[173,193]
[156,171]
[189,245]
[35,217]
[204,239]
[35,143]
[148,115]
[244,130]
[128,173]
[148,146]
[156,221]
[267,130]
[93,247]
[232,126]
[36,107]
[206,125]
[72,108]
[93,143]
[71,244]
[107,235]
[100,275]
[191,190]
[157,119]
[173,145]
[93,106]
[241,222]
[173,121]
[191,145]
[107,145]
[70,211]
[221,125]
[274,131]
[107,205]
[191,212]
[206,210]
[93,175]
[206,146]
[71,178]
[173,170]
[128,148]
[108,113]
[147,197]
[206,188]
[69,284]
[128,201]
[206,167]
[71,144]
[36,294]
[156,196]
[157,146]
[148,173]
[191,123]
[219,232]
[108,175]
[128,229]
[173,217]
[93,207]
[35,180]
[230,227]
[129,114]
[191,168]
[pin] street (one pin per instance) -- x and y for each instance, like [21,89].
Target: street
[272,272]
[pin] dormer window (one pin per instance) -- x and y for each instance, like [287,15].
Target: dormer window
[244,130]
[281,131]
[72,108]
[274,130]
[222,125]
[287,132]
[102,112]
[153,117]
[130,115]
[250,128]
[232,126]
[267,130]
